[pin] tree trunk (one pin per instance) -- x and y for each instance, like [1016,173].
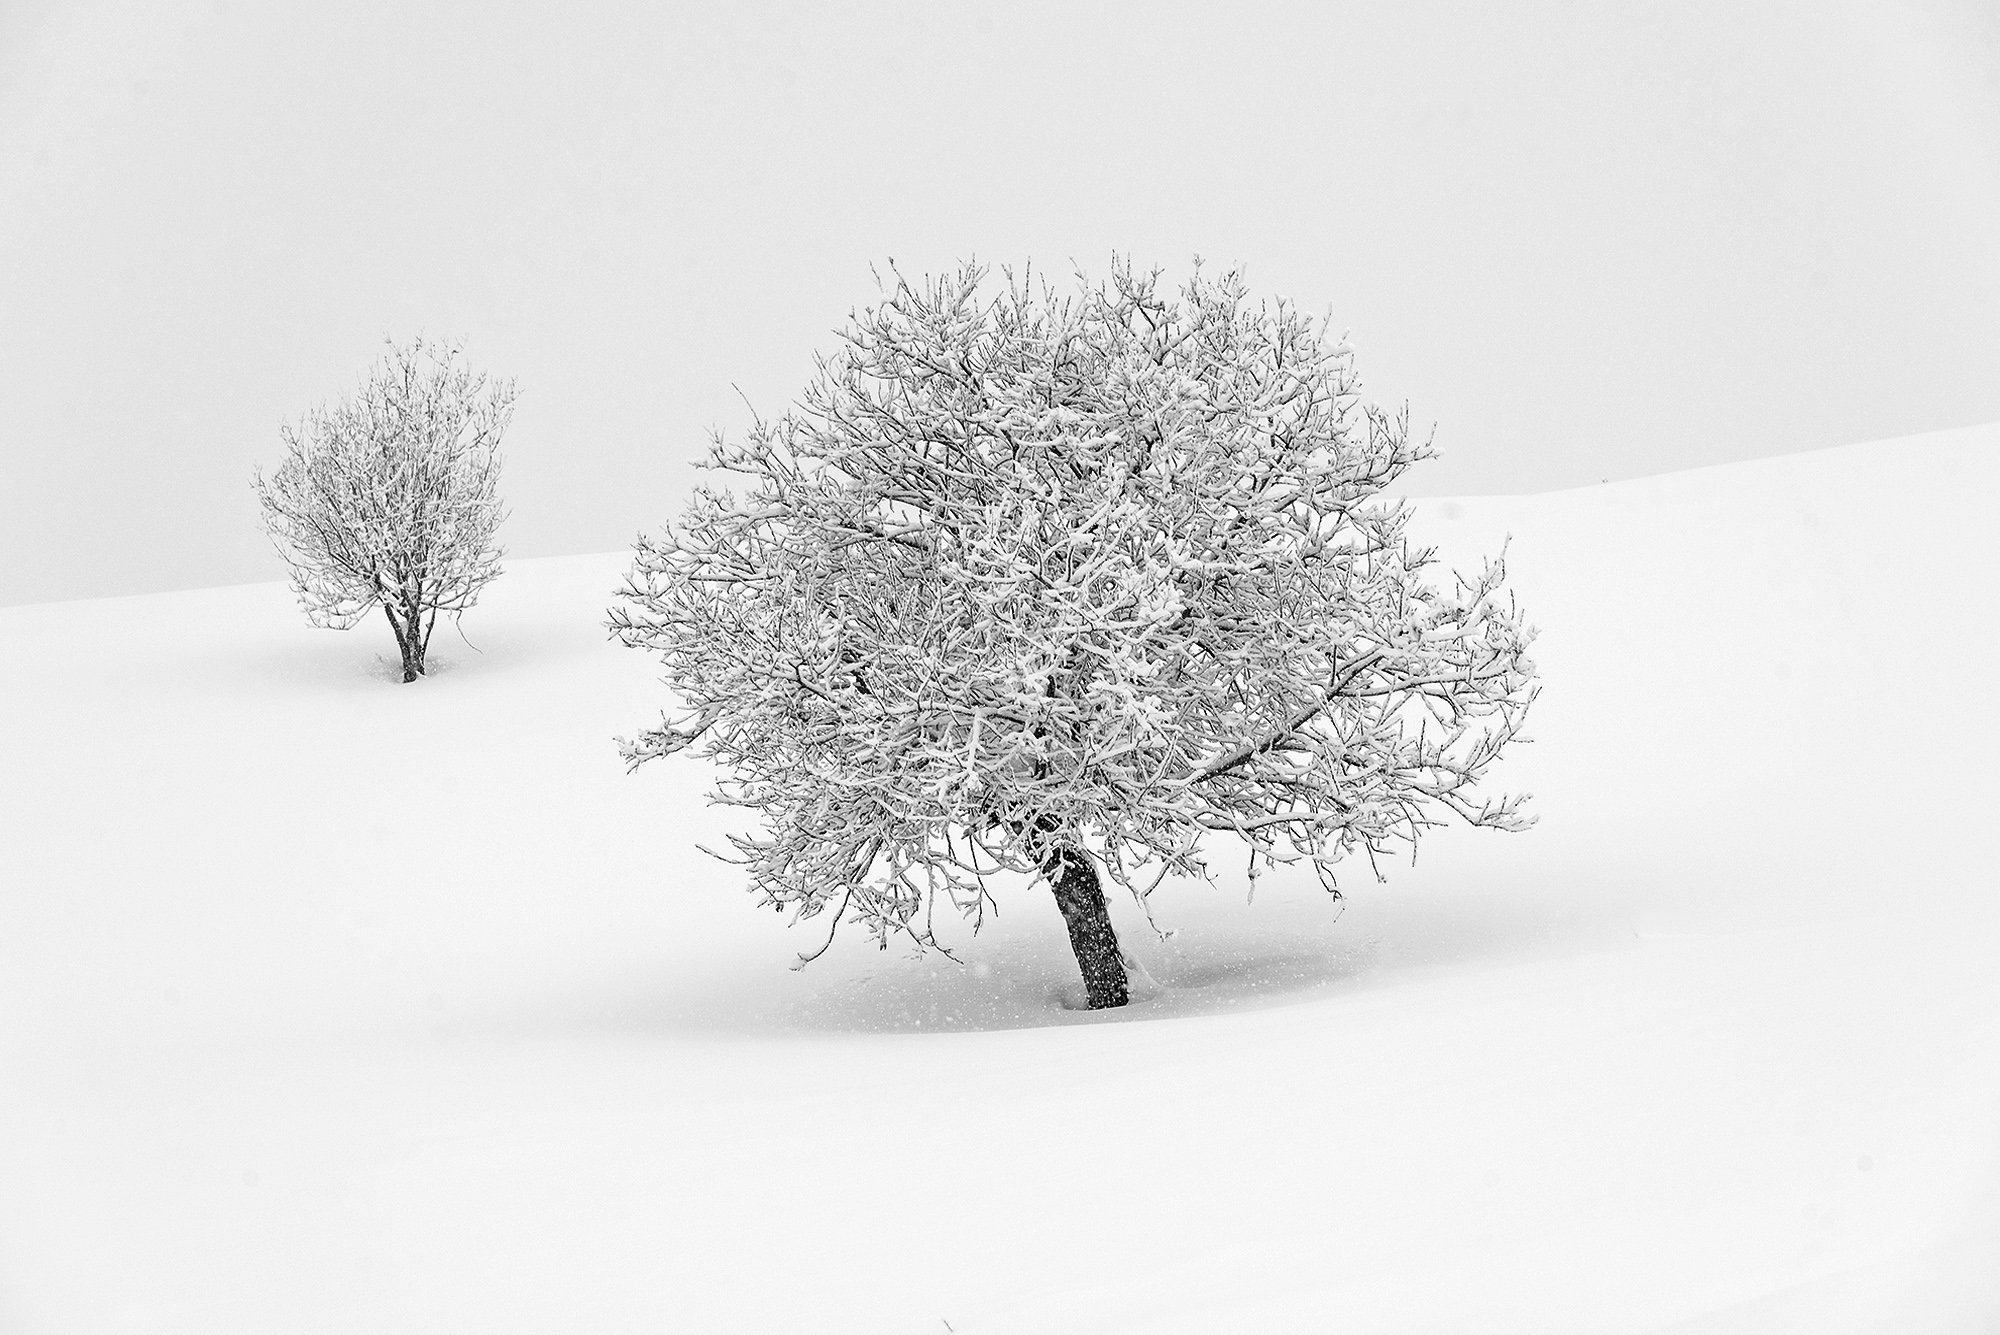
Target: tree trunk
[413,648]
[1088,917]
[406,644]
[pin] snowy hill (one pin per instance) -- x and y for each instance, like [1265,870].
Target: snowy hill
[328,1004]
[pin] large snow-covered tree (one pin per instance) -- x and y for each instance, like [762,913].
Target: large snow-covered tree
[1070,584]
[390,497]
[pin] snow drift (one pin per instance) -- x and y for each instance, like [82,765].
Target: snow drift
[330,1004]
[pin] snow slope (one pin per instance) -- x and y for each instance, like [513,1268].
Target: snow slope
[331,1005]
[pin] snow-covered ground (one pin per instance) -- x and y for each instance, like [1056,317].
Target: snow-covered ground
[333,1005]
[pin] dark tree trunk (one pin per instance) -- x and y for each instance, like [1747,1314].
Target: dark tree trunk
[1088,917]
[407,643]
[413,649]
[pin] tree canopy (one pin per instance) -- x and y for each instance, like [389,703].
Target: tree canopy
[1105,571]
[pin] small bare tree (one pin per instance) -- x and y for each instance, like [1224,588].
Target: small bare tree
[1062,585]
[390,497]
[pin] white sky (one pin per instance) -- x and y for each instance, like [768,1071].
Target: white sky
[1586,241]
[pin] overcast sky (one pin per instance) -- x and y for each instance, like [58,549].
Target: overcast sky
[1587,241]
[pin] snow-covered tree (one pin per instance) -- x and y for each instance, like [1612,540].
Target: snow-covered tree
[390,497]
[1064,585]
